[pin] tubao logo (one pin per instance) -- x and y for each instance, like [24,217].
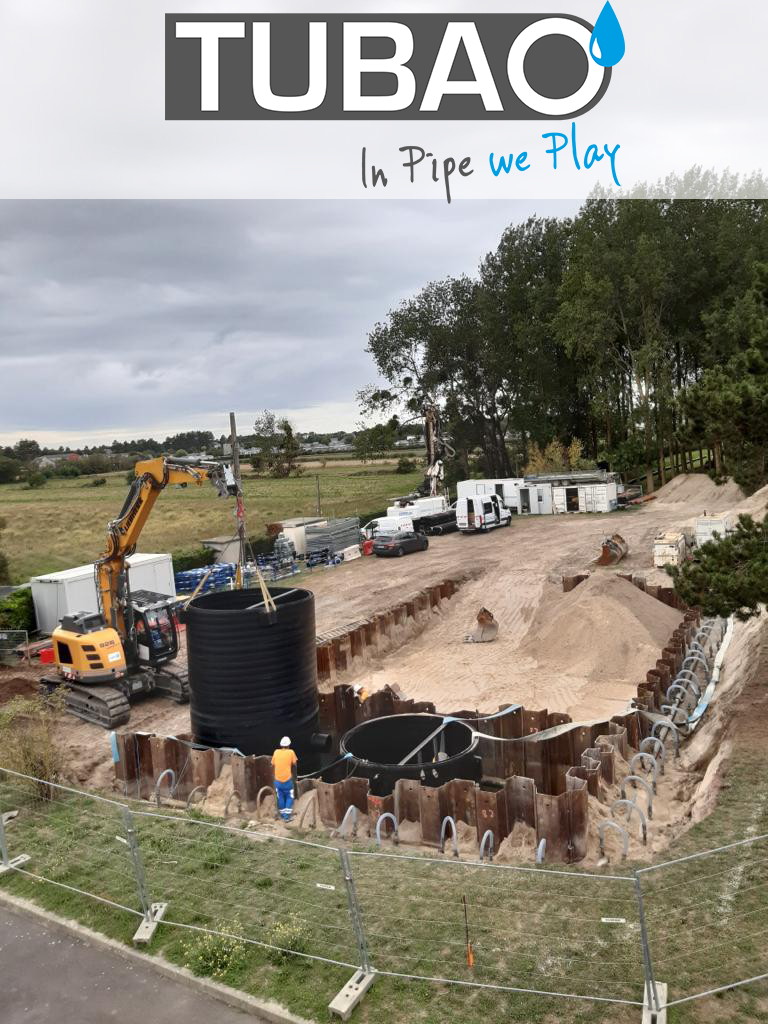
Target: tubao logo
[404,67]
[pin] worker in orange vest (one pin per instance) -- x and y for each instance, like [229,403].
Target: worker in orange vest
[284,765]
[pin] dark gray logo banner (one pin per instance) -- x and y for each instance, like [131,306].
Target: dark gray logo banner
[367,67]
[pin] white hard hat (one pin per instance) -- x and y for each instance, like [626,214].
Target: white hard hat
[357,688]
[285,741]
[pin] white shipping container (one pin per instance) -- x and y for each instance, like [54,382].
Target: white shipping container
[74,590]
[536,499]
[585,498]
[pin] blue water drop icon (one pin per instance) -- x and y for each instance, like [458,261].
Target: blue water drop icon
[607,45]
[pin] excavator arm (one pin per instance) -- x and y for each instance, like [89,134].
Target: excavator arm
[123,532]
[106,659]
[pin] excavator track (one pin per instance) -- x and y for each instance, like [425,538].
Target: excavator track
[101,705]
[174,685]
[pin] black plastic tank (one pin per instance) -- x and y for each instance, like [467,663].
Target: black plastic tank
[253,676]
[378,745]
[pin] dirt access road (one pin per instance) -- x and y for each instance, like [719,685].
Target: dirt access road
[516,573]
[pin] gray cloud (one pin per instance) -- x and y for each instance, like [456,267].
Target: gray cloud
[122,319]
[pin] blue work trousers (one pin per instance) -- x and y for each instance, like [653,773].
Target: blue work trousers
[284,798]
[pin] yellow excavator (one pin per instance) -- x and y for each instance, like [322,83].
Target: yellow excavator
[106,659]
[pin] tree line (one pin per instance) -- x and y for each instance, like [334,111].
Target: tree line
[634,333]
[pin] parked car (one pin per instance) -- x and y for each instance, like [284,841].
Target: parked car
[399,544]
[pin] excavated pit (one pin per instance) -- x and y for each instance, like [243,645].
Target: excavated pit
[428,749]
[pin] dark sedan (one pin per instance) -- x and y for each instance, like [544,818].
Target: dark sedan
[399,544]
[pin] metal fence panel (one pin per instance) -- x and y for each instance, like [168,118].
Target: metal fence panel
[73,840]
[269,890]
[14,646]
[531,930]
[706,919]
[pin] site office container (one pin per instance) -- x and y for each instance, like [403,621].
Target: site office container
[536,499]
[74,590]
[585,497]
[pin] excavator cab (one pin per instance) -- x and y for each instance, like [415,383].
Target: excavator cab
[157,636]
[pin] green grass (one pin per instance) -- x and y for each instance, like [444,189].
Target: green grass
[532,930]
[63,524]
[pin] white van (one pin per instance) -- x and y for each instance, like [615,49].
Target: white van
[481,512]
[387,524]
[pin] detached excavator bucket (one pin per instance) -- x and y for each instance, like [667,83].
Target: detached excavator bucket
[487,629]
[614,549]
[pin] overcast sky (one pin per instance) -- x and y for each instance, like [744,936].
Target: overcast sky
[131,319]
[120,320]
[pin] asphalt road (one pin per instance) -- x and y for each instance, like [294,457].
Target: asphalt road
[48,974]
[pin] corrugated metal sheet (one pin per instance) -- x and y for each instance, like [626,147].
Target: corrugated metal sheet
[335,535]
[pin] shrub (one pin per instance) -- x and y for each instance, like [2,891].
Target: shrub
[27,737]
[215,955]
[290,934]
[35,480]
[196,559]
[260,544]
[98,481]
[9,470]
[17,611]
[405,465]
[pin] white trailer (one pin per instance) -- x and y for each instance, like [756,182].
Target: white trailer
[595,497]
[416,507]
[74,590]
[507,490]
[388,524]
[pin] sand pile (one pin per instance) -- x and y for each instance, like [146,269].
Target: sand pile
[754,506]
[699,489]
[606,629]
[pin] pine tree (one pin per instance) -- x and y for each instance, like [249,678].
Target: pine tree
[728,576]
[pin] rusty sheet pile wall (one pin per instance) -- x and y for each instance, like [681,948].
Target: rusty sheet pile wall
[341,650]
[539,769]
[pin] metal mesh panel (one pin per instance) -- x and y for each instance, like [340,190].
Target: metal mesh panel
[557,933]
[74,840]
[706,919]
[276,892]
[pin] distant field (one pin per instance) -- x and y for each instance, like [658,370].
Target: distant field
[63,524]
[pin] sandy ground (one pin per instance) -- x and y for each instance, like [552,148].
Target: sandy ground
[516,573]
